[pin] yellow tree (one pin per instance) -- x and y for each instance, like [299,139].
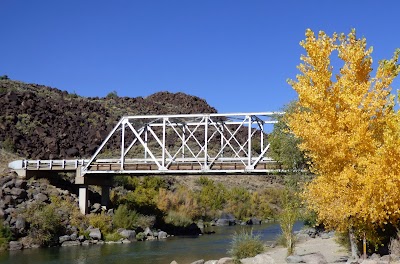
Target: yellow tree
[350,132]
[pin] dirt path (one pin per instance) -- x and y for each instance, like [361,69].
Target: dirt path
[333,252]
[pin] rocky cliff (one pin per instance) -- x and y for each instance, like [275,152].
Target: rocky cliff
[40,122]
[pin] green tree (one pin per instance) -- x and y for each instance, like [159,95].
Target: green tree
[284,144]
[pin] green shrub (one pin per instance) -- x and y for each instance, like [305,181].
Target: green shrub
[125,218]
[245,245]
[112,95]
[178,219]
[45,223]
[5,236]
[101,221]
[115,236]
[8,145]
[140,236]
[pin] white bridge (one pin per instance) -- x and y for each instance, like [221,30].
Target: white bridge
[172,144]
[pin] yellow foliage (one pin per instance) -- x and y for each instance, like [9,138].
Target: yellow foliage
[350,131]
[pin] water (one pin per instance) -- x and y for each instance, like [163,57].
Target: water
[181,249]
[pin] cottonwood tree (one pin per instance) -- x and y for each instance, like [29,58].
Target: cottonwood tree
[350,131]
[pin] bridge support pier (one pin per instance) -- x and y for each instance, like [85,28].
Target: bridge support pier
[83,199]
[105,196]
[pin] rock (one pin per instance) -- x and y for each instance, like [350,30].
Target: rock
[64,238]
[148,232]
[15,245]
[254,221]
[20,223]
[94,233]
[70,243]
[225,220]
[162,235]
[18,192]
[375,256]
[315,258]
[96,208]
[369,261]
[259,259]
[85,243]
[294,259]
[174,262]
[226,261]
[211,262]
[128,234]
[74,236]
[352,261]
[200,261]
[41,197]
[21,184]
[126,241]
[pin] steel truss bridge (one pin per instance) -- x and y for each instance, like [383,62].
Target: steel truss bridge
[175,144]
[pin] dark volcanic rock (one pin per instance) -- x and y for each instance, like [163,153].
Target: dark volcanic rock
[46,123]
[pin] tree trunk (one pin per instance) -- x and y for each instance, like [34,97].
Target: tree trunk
[353,244]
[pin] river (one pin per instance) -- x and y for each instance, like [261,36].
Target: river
[182,249]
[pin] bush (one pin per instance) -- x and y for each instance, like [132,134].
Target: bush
[140,236]
[245,245]
[45,223]
[113,237]
[5,236]
[8,145]
[101,221]
[125,218]
[178,219]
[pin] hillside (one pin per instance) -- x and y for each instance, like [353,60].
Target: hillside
[40,122]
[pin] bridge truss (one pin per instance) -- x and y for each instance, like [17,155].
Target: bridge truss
[185,144]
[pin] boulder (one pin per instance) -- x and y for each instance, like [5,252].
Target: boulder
[96,208]
[259,259]
[148,232]
[294,259]
[94,233]
[254,221]
[200,261]
[70,243]
[20,223]
[41,197]
[18,192]
[64,238]
[315,258]
[226,261]
[128,234]
[174,262]
[211,261]
[15,245]
[162,235]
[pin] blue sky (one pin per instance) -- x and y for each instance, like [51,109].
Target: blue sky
[235,54]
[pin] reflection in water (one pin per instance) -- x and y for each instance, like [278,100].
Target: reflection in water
[181,249]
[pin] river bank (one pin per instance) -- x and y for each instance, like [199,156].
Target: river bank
[185,249]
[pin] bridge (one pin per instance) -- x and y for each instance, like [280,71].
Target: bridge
[168,144]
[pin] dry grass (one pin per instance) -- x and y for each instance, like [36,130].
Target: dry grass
[5,158]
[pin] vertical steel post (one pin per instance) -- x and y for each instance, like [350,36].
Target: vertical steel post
[249,142]
[262,137]
[183,141]
[222,140]
[163,142]
[145,143]
[206,143]
[123,145]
